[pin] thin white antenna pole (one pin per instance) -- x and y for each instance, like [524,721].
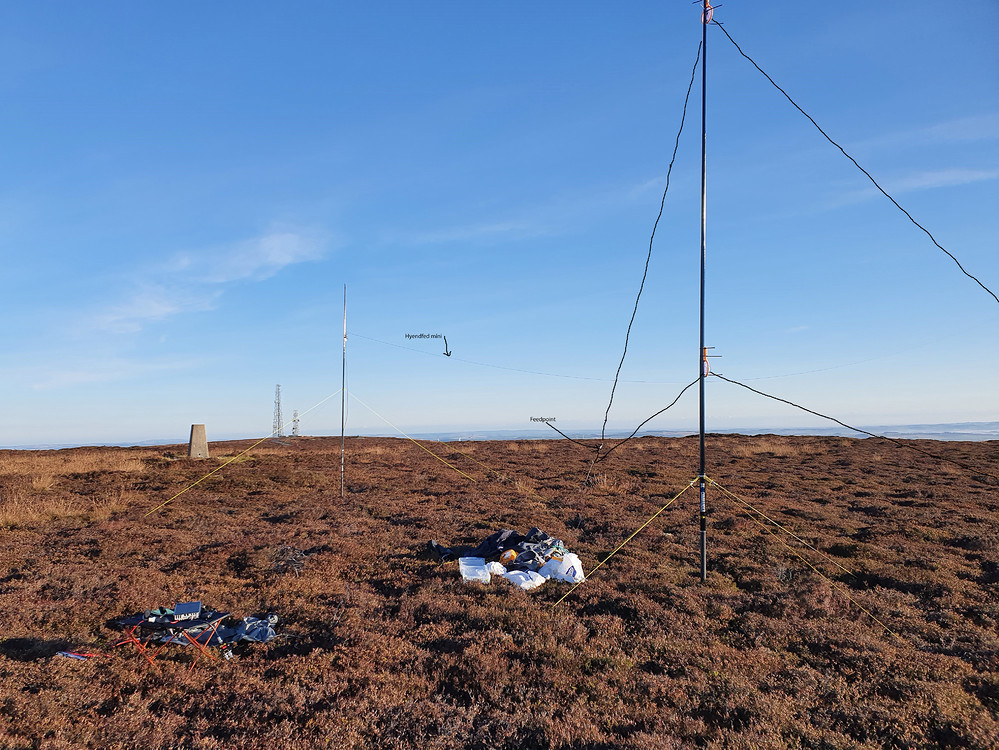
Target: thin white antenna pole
[343,391]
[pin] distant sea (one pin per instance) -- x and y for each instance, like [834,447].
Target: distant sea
[976,431]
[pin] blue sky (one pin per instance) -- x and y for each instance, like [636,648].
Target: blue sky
[186,188]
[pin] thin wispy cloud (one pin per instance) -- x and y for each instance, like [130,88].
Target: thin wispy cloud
[977,128]
[943,178]
[151,303]
[90,371]
[652,186]
[556,216]
[192,282]
[916,181]
[258,259]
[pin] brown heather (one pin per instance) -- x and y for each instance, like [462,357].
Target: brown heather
[384,648]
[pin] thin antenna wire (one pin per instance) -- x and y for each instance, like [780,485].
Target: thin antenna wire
[646,421]
[908,444]
[648,257]
[857,165]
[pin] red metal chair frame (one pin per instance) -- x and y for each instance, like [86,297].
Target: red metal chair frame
[134,635]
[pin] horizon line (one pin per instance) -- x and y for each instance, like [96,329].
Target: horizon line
[970,431]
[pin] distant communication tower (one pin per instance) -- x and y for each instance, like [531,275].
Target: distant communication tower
[278,430]
[294,424]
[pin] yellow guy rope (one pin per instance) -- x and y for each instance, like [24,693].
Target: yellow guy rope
[627,540]
[411,439]
[779,526]
[500,474]
[237,456]
[802,558]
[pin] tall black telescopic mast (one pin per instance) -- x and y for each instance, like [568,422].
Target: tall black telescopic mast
[702,359]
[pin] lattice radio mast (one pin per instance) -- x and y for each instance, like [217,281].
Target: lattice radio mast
[278,430]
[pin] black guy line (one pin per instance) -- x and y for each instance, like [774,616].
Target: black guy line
[618,445]
[857,429]
[648,258]
[581,445]
[875,182]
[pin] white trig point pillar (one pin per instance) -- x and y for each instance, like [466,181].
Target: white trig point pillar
[198,447]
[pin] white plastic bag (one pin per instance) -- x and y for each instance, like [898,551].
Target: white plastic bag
[495,568]
[526,579]
[473,569]
[569,568]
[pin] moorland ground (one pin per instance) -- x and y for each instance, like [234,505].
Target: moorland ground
[869,618]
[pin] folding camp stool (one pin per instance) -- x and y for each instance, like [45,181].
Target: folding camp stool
[200,634]
[188,623]
[143,642]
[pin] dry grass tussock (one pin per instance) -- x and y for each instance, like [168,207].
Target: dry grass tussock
[370,450]
[768,445]
[539,447]
[263,449]
[74,461]
[43,482]
[230,458]
[614,483]
[39,487]
[19,511]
